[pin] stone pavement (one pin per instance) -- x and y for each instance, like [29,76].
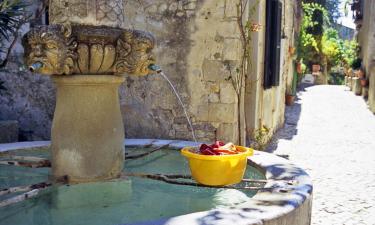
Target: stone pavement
[331,134]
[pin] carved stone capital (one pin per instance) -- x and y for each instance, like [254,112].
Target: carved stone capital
[81,49]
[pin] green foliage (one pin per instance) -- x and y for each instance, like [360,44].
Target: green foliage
[261,137]
[304,67]
[332,46]
[316,47]
[332,7]
[11,15]
[314,21]
[349,52]
[336,77]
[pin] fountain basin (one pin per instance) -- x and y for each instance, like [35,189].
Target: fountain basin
[287,199]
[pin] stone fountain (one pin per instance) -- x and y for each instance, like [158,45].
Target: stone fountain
[87,51]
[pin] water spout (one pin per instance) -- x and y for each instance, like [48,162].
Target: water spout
[158,70]
[35,67]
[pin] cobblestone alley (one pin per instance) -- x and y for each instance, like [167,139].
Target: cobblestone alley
[331,133]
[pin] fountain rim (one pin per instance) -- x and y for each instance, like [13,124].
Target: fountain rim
[289,186]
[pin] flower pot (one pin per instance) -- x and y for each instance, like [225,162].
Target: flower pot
[292,50]
[360,74]
[289,99]
[364,82]
[299,68]
[315,68]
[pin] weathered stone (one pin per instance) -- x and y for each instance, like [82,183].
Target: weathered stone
[213,98]
[190,5]
[214,70]
[202,114]
[87,127]
[357,88]
[205,136]
[214,87]
[183,135]
[162,8]
[180,127]
[228,29]
[218,112]
[97,13]
[232,49]
[226,132]
[180,120]
[227,93]
[8,131]
[230,10]
[204,126]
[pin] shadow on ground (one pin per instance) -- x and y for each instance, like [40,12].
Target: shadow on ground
[292,116]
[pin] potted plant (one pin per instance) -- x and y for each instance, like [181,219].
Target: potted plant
[292,50]
[360,73]
[299,67]
[315,68]
[364,81]
[289,98]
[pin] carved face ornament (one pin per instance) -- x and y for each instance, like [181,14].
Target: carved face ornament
[50,50]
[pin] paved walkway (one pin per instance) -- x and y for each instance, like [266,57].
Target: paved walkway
[331,134]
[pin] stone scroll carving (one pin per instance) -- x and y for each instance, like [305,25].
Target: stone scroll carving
[89,50]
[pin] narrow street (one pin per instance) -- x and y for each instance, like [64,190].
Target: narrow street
[330,132]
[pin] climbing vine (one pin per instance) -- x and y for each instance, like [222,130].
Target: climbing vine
[238,77]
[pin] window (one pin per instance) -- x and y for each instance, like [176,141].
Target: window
[273,43]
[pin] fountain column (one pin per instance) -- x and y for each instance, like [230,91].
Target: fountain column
[87,52]
[87,130]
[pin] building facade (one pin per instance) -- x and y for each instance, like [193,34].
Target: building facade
[200,49]
[364,16]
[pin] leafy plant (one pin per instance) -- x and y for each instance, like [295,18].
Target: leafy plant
[325,48]
[261,137]
[238,78]
[314,21]
[11,15]
[349,53]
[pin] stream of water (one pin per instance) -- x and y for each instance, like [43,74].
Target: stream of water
[181,103]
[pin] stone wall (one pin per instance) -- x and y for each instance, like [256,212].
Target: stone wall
[25,97]
[196,39]
[199,49]
[366,39]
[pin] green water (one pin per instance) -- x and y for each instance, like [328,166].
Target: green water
[137,199]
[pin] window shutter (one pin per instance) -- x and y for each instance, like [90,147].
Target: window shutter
[273,43]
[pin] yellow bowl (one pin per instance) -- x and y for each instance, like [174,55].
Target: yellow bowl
[218,170]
